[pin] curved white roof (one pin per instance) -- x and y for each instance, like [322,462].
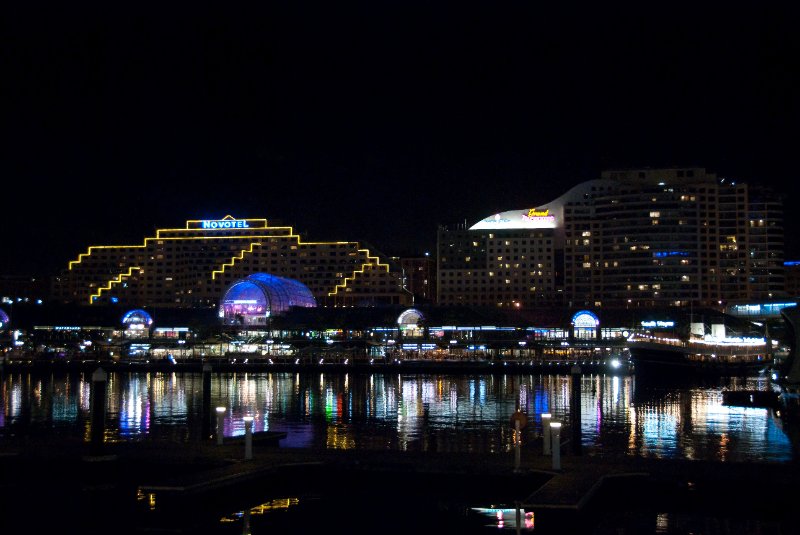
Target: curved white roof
[550,215]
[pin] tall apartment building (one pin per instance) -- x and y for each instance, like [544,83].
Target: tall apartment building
[194,265]
[792,285]
[419,276]
[642,237]
[507,260]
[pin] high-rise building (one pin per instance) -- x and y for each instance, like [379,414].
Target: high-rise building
[194,265]
[641,237]
[792,285]
[419,276]
[506,260]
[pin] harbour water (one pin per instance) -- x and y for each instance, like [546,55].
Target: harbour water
[618,415]
[605,417]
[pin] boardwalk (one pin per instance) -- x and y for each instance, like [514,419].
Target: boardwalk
[181,479]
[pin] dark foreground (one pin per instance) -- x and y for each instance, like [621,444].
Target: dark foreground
[50,485]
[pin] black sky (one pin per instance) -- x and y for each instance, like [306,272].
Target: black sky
[372,122]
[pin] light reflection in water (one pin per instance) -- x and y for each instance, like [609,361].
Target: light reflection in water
[507,518]
[408,412]
[278,504]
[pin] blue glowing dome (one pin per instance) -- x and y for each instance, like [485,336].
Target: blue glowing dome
[137,317]
[585,319]
[3,319]
[250,301]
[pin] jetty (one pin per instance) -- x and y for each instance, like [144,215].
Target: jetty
[180,487]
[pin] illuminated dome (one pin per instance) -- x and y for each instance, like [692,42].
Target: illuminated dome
[137,317]
[410,317]
[3,319]
[252,300]
[585,319]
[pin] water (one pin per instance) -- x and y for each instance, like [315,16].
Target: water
[409,412]
[619,417]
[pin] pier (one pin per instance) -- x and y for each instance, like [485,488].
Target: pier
[150,485]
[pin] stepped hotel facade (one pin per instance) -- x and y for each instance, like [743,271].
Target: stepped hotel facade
[193,266]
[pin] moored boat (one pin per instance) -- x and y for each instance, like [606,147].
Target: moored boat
[732,356]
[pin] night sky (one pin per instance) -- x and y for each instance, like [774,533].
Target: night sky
[374,122]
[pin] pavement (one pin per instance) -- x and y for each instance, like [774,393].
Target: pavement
[66,482]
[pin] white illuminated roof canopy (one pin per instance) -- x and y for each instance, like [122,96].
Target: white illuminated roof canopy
[528,218]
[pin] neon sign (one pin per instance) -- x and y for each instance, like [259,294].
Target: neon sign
[539,216]
[659,323]
[224,223]
[585,320]
[518,219]
[496,219]
[533,212]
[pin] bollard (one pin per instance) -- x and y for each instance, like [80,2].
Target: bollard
[248,437]
[555,427]
[99,382]
[220,424]
[546,432]
[518,422]
[575,410]
[206,431]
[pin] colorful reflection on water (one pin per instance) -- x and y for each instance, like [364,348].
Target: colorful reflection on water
[614,415]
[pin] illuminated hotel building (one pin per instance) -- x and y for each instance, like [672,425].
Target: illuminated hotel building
[643,237]
[506,260]
[195,265]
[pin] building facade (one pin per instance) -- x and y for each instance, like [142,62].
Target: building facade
[792,285]
[419,274]
[503,266]
[194,265]
[633,238]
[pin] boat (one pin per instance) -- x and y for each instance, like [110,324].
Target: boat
[699,354]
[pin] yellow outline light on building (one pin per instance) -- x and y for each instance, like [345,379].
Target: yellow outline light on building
[240,256]
[115,280]
[260,224]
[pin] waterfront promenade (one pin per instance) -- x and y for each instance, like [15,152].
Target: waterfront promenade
[240,365]
[188,487]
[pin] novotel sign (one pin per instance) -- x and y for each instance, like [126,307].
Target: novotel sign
[224,223]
